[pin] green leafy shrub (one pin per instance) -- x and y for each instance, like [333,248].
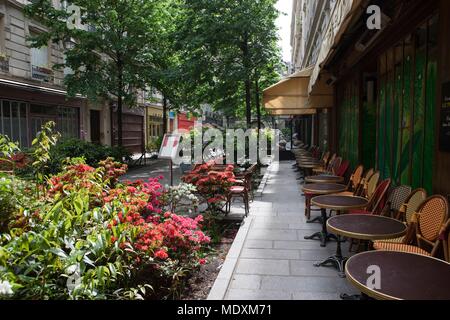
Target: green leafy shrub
[92,153]
[94,238]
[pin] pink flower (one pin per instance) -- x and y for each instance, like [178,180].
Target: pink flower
[202,261]
[161,254]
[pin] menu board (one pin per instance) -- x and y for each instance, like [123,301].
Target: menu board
[170,146]
[444,127]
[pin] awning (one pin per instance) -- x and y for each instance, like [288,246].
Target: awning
[343,12]
[36,88]
[290,96]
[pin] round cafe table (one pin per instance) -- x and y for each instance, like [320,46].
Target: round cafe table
[403,276]
[362,227]
[340,204]
[324,179]
[321,189]
[308,166]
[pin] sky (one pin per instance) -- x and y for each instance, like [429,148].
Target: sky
[284,26]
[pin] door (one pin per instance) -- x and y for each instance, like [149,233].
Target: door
[95,126]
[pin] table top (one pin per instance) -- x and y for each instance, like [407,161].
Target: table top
[366,227]
[324,188]
[309,165]
[324,179]
[339,202]
[404,276]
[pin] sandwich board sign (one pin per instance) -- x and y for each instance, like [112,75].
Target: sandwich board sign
[169,150]
[170,146]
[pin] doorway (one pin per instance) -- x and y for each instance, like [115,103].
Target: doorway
[95,126]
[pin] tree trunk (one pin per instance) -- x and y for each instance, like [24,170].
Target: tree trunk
[258,104]
[258,112]
[119,121]
[120,103]
[248,103]
[248,83]
[164,115]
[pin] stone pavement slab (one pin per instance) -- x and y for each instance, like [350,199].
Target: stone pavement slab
[272,260]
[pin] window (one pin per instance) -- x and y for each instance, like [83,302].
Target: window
[13,121]
[39,57]
[40,66]
[66,118]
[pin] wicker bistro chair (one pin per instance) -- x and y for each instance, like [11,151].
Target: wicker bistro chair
[354,182]
[342,170]
[405,214]
[396,198]
[429,224]
[370,185]
[240,191]
[377,201]
[360,189]
[375,206]
[327,166]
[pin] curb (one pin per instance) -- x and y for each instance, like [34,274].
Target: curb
[262,185]
[220,287]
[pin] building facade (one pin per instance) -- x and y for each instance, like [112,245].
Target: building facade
[32,93]
[391,87]
[310,20]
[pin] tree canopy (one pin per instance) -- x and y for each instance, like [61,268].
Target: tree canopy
[227,46]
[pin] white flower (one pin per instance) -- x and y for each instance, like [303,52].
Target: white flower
[5,289]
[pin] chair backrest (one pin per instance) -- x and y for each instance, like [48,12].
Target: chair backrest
[343,168]
[433,214]
[397,197]
[371,185]
[361,188]
[411,205]
[316,152]
[326,157]
[332,159]
[356,178]
[335,165]
[378,199]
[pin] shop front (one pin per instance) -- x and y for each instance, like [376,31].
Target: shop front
[388,94]
[24,109]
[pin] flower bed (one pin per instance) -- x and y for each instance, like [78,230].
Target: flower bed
[83,235]
[211,185]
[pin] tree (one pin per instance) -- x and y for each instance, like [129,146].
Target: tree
[228,45]
[109,54]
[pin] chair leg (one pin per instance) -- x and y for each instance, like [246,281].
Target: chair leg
[308,207]
[228,204]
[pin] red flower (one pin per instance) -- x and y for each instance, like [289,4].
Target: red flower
[161,254]
[202,261]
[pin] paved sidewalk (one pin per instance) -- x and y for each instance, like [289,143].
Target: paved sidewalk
[270,259]
[154,169]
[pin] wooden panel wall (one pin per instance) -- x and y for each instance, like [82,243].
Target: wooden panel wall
[442,167]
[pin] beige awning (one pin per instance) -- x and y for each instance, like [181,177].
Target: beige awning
[290,96]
